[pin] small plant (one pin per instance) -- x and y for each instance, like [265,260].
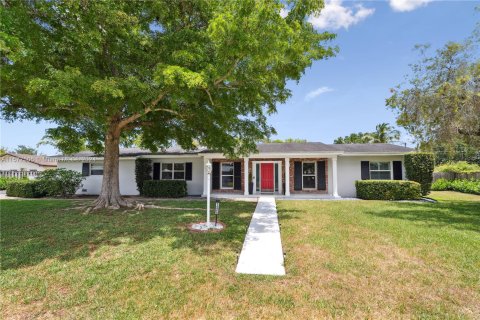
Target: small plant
[419,167]
[60,182]
[388,189]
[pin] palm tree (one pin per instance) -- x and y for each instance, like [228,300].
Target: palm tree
[385,133]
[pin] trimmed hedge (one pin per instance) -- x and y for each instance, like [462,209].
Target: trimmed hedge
[419,167]
[143,172]
[165,188]
[388,190]
[25,189]
[461,185]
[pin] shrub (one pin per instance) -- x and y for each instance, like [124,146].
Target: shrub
[5,180]
[388,189]
[165,188]
[143,170]
[461,185]
[60,182]
[25,189]
[458,167]
[419,167]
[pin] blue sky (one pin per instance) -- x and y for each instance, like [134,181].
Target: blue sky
[347,93]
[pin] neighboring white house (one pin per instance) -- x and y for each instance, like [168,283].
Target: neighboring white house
[15,164]
[311,168]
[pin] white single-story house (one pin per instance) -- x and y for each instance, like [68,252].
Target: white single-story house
[288,169]
[17,165]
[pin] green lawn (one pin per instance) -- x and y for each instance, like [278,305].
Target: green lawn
[345,259]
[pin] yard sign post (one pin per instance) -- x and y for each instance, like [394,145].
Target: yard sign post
[209,172]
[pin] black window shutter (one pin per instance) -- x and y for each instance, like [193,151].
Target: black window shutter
[397,170]
[297,175]
[85,169]
[321,183]
[188,171]
[216,175]
[156,171]
[237,175]
[365,170]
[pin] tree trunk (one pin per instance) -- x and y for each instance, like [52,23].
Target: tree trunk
[110,196]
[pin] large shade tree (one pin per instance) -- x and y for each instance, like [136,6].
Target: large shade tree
[188,72]
[440,101]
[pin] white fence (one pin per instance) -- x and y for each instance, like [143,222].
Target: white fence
[31,174]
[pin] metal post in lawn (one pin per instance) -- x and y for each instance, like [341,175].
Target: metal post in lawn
[209,172]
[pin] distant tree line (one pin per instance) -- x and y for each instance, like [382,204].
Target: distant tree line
[384,133]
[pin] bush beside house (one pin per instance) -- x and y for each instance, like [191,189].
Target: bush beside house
[461,185]
[25,189]
[419,167]
[53,183]
[388,190]
[165,188]
[143,172]
[60,182]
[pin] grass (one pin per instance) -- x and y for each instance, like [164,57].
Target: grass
[344,259]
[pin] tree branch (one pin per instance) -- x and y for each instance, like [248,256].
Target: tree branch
[151,108]
[229,72]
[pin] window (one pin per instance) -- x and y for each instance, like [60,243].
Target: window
[96,169]
[227,175]
[173,171]
[309,176]
[380,171]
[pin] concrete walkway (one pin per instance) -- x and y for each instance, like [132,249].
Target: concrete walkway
[262,250]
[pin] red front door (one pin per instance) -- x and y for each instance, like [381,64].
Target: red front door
[267,176]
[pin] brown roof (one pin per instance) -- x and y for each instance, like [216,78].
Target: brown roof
[40,160]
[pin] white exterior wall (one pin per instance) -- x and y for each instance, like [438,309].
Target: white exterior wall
[194,186]
[13,163]
[93,183]
[349,170]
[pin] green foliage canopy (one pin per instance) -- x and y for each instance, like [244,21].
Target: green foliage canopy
[440,102]
[384,133]
[168,71]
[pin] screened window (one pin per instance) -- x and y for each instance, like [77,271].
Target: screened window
[227,175]
[309,175]
[173,171]
[96,169]
[380,171]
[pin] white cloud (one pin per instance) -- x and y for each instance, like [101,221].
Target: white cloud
[315,93]
[336,16]
[407,5]
[284,12]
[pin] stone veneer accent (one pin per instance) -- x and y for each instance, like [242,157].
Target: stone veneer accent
[292,181]
[233,191]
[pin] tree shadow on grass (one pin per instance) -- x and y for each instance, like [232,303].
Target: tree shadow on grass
[461,215]
[32,231]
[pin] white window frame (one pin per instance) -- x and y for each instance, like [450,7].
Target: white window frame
[173,170]
[390,170]
[98,165]
[310,175]
[227,175]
